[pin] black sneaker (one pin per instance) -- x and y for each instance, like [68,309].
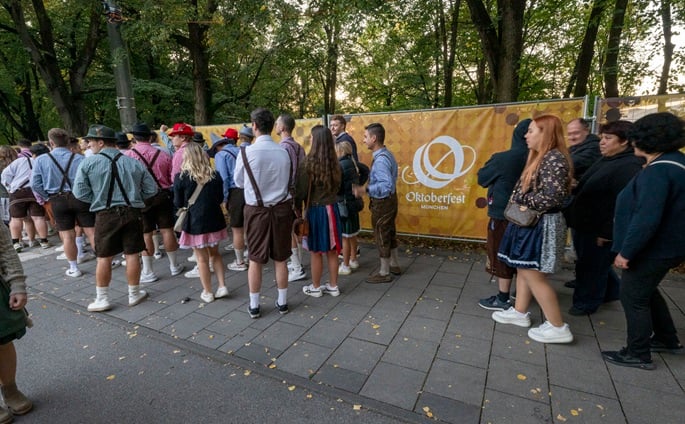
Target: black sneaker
[493,303]
[659,346]
[282,309]
[625,359]
[254,312]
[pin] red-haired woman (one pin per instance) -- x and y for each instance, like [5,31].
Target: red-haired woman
[536,250]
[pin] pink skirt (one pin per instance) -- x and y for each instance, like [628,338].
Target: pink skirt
[188,241]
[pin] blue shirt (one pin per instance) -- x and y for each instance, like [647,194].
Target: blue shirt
[224,161]
[383,176]
[46,178]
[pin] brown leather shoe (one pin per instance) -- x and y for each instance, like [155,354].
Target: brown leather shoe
[395,270]
[378,279]
[5,416]
[16,402]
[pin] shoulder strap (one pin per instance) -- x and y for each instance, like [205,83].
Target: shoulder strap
[669,162]
[65,172]
[260,202]
[194,196]
[149,164]
[115,177]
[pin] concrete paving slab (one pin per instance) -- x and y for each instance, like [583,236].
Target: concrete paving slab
[447,410]
[384,380]
[411,353]
[303,359]
[459,382]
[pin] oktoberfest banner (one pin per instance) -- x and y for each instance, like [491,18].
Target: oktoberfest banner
[633,108]
[439,153]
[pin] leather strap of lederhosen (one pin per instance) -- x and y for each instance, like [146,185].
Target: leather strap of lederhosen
[65,172]
[260,202]
[149,165]
[115,177]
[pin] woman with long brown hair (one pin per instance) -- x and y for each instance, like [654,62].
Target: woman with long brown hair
[318,182]
[536,250]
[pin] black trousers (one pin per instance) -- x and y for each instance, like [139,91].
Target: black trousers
[596,281]
[645,309]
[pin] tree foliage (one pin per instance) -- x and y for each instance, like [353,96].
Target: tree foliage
[213,61]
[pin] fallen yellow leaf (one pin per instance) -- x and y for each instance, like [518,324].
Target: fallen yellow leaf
[291,388]
[357,407]
[574,412]
[375,326]
[247,372]
[561,418]
[272,365]
[111,377]
[309,396]
[521,377]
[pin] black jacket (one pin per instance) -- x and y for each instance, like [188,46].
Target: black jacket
[205,216]
[592,210]
[584,155]
[501,172]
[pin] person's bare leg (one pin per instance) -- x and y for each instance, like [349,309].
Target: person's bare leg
[332,256]
[523,293]
[202,255]
[316,264]
[41,226]
[545,296]
[217,261]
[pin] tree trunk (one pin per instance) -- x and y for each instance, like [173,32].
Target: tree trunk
[581,71]
[613,48]
[448,40]
[668,46]
[502,45]
[67,98]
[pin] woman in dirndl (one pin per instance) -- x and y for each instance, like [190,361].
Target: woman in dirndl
[535,251]
[318,182]
[205,225]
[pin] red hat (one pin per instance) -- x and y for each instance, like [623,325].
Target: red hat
[181,128]
[231,133]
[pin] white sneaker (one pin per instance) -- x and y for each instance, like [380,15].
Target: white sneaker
[297,274]
[235,266]
[547,333]
[157,255]
[32,243]
[312,291]
[354,264]
[59,248]
[327,289]
[117,262]
[207,297]
[192,258]
[74,273]
[176,270]
[88,256]
[148,277]
[344,270]
[291,266]
[61,257]
[193,273]
[228,247]
[99,305]
[512,316]
[134,300]
[221,292]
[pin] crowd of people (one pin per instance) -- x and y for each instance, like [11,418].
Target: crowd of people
[121,192]
[621,193]
[622,196]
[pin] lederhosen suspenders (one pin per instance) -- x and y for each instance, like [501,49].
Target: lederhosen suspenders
[65,172]
[149,165]
[260,202]
[115,177]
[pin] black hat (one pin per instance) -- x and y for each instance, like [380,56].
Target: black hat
[141,129]
[215,146]
[100,132]
[122,140]
[198,138]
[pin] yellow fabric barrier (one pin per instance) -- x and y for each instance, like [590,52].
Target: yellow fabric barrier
[439,153]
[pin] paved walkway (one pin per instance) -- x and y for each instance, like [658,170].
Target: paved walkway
[419,347]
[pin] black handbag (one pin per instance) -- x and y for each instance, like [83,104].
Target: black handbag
[521,215]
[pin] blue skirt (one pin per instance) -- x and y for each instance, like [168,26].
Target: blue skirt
[521,247]
[540,247]
[324,229]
